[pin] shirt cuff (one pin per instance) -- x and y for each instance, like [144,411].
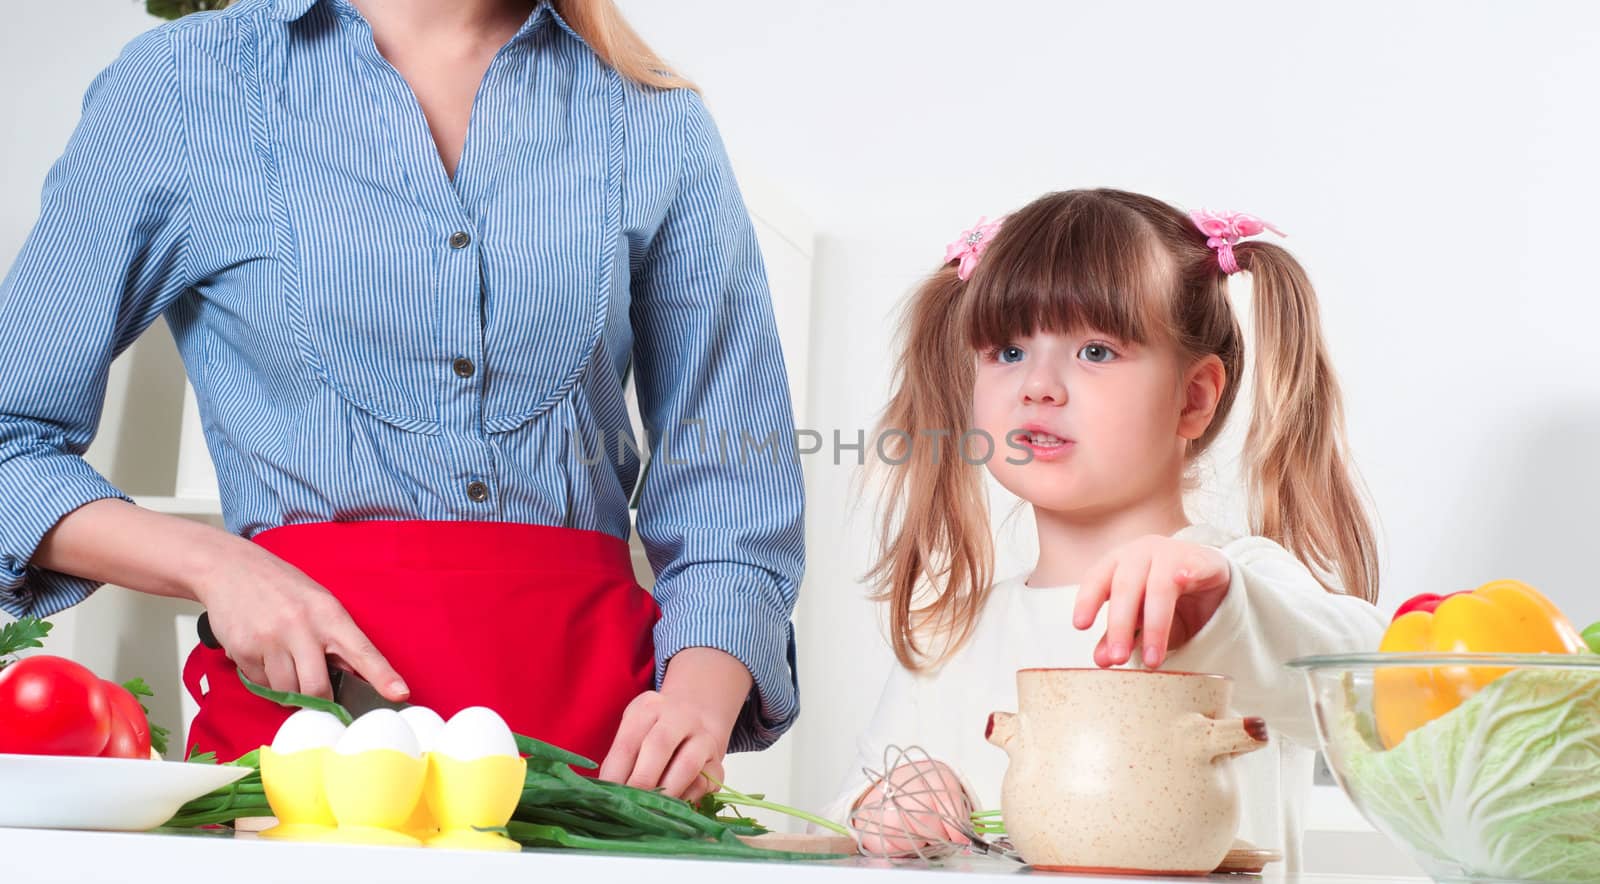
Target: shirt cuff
[711,610]
[38,493]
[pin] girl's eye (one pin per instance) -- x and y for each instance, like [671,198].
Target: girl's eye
[1096,353]
[1009,354]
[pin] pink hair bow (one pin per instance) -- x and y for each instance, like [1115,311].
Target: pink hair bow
[971,245]
[1223,229]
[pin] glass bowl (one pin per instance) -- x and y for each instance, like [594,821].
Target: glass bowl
[1483,767]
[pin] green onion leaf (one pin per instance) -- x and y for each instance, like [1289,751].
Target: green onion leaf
[303,701]
[541,751]
[736,797]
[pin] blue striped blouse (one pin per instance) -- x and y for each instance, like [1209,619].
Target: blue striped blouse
[372,339]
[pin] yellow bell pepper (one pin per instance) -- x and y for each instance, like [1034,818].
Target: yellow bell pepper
[1503,617]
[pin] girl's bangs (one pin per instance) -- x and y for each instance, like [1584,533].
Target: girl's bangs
[1067,267]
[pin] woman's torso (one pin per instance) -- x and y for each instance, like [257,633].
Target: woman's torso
[369,338]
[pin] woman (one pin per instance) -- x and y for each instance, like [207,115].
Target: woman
[408,250]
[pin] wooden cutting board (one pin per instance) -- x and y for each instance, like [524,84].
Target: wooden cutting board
[1247,859]
[1244,859]
[828,843]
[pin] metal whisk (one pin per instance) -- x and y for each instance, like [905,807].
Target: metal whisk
[912,810]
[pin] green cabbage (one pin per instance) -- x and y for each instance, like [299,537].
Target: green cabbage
[1507,785]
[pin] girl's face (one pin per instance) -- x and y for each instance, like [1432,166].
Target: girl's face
[1103,423]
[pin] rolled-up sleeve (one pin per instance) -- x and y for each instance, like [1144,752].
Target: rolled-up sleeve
[721,512]
[102,262]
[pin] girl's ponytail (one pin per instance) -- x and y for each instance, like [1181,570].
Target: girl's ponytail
[934,518]
[1302,492]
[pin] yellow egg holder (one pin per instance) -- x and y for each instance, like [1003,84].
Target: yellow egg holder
[386,797]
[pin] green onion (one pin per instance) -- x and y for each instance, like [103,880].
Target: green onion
[557,808]
[535,835]
[739,798]
[545,752]
[988,822]
[304,701]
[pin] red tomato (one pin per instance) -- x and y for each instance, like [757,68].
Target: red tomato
[130,729]
[52,706]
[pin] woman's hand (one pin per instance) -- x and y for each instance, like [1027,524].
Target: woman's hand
[277,624]
[1158,590]
[669,737]
[923,797]
[280,627]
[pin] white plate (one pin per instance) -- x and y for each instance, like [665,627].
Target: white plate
[113,794]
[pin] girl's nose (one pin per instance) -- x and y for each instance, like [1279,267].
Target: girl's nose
[1042,387]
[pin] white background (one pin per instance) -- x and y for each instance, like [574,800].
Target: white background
[1434,163]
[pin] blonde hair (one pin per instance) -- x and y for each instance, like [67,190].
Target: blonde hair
[1137,268]
[617,44]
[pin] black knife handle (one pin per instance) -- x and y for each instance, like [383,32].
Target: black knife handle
[207,637]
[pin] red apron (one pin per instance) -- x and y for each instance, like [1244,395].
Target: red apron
[544,625]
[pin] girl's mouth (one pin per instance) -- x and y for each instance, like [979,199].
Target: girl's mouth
[1045,446]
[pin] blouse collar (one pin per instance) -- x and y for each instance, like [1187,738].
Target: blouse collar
[292,10]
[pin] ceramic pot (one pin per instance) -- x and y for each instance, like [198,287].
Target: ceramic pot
[1122,771]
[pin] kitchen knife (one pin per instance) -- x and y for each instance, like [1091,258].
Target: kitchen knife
[354,693]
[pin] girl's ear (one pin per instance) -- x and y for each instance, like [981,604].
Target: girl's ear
[1203,384]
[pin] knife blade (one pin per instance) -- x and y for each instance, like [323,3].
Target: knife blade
[357,695]
[354,693]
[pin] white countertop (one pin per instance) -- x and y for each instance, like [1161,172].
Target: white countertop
[38,856]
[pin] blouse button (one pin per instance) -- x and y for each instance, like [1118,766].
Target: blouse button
[477,491]
[460,240]
[464,367]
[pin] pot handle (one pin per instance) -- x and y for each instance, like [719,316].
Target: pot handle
[1227,737]
[1001,730]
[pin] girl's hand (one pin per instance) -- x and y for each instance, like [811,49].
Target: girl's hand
[1160,591]
[280,626]
[924,794]
[669,737]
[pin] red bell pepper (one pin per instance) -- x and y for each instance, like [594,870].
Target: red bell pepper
[1428,602]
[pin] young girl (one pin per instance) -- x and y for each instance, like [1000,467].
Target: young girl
[1084,350]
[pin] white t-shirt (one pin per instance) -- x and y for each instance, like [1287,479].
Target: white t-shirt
[1275,610]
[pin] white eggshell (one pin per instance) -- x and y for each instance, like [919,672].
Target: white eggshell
[307,729]
[476,732]
[379,729]
[426,724]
